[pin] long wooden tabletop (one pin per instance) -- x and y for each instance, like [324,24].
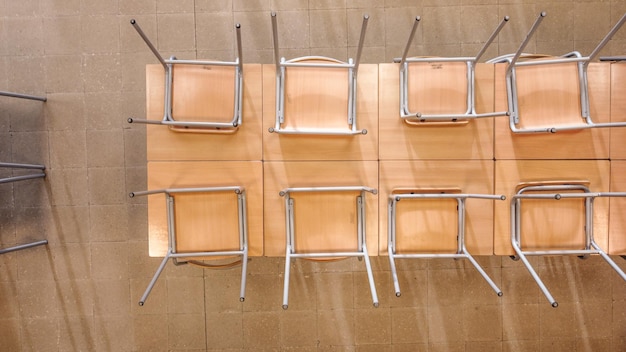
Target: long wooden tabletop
[392,154]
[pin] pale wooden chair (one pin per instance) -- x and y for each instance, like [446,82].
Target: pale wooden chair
[294,250]
[204,81]
[174,250]
[549,87]
[321,77]
[557,190]
[445,87]
[415,194]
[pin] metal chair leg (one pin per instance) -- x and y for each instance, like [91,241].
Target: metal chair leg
[144,297]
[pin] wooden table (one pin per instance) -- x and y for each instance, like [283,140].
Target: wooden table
[177,158]
[391,155]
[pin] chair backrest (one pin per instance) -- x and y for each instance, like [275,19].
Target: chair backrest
[199,93]
[312,96]
[440,90]
[552,90]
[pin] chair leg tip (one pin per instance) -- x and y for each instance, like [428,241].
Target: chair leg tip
[241,299]
[285,306]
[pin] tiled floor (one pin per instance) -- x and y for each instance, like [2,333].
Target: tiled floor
[79,293]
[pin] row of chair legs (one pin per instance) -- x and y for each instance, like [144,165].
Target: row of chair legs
[40,172]
[528,191]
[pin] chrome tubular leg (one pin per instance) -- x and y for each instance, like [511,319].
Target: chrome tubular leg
[492,38]
[41,174]
[154,279]
[239,50]
[244,271]
[515,233]
[360,47]
[460,223]
[608,259]
[532,30]
[23,96]
[23,246]
[608,37]
[148,43]
[408,43]
[23,166]
[169,81]
[22,178]
[391,244]
[243,240]
[540,283]
[370,276]
[289,248]
[484,274]
[275,41]
[352,98]
[286,283]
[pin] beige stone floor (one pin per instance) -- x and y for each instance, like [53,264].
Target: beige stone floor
[79,293]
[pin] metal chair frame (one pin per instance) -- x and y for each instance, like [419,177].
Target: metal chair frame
[40,174]
[582,63]
[168,65]
[418,117]
[23,96]
[461,250]
[171,231]
[361,252]
[572,190]
[351,66]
